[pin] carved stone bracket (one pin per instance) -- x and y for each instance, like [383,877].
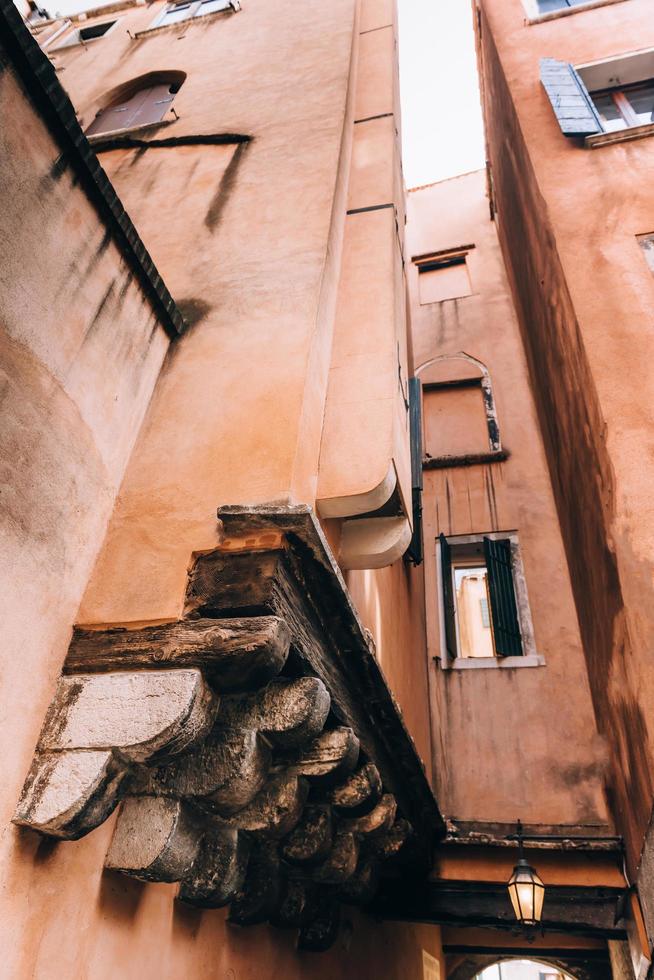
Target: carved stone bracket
[254,766]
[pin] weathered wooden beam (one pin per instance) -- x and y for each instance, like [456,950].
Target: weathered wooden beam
[580,911]
[234,653]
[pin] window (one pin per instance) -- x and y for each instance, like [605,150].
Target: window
[604,97]
[459,415]
[484,601]
[646,243]
[195,8]
[82,35]
[140,104]
[547,6]
[443,275]
[620,108]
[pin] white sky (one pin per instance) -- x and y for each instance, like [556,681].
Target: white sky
[442,132]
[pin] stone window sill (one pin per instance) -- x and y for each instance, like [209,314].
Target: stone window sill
[620,136]
[568,11]
[494,663]
[472,459]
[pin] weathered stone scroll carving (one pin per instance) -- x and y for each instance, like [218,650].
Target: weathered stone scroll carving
[231,743]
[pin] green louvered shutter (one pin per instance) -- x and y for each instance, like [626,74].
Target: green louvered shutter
[506,629]
[573,106]
[448,597]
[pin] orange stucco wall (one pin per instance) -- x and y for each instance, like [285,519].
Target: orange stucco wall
[568,230]
[249,241]
[286,335]
[511,742]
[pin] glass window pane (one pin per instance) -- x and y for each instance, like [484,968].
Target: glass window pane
[475,635]
[173,14]
[642,100]
[608,112]
[209,6]
[547,6]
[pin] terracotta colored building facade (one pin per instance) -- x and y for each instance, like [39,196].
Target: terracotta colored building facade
[319,506]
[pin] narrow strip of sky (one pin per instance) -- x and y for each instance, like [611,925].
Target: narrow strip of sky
[442,130]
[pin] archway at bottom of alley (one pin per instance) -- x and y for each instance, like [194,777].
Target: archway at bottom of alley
[525,965]
[524,969]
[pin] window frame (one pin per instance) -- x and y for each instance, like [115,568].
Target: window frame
[619,97]
[195,8]
[127,97]
[446,259]
[63,44]
[530,656]
[534,17]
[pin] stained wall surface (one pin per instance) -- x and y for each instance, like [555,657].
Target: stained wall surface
[568,221]
[80,351]
[248,236]
[513,741]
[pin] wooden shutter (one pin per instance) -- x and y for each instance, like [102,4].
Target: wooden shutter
[154,105]
[148,105]
[573,106]
[415,549]
[506,629]
[448,597]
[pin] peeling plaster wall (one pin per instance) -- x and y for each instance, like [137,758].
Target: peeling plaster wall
[520,742]
[568,220]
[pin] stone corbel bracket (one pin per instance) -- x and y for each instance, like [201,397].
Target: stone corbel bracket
[259,754]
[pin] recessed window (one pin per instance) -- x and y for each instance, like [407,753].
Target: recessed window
[603,97]
[197,8]
[547,6]
[621,108]
[443,276]
[484,599]
[140,104]
[82,35]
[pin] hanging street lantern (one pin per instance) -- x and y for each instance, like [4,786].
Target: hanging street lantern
[526,890]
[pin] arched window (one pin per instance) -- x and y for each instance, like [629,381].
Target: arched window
[459,415]
[141,102]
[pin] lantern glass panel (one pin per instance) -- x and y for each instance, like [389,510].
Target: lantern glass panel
[526,892]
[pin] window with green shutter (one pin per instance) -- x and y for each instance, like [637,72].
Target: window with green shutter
[480,608]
